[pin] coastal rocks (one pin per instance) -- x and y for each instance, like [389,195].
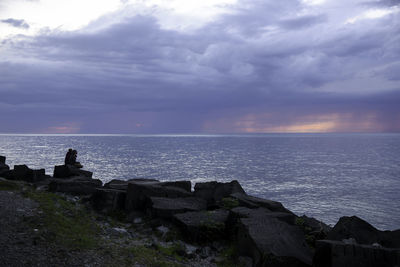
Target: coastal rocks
[123,185]
[363,233]
[67,171]
[22,172]
[202,226]
[3,166]
[108,200]
[163,207]
[269,240]
[214,191]
[75,186]
[255,202]
[331,253]
[139,193]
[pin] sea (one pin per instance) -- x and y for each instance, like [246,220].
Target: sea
[325,176]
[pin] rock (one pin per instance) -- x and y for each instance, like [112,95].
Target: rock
[75,186]
[245,261]
[205,252]
[116,231]
[255,202]
[137,220]
[270,241]
[3,166]
[108,200]
[162,229]
[163,207]
[203,225]
[315,225]
[68,171]
[243,212]
[331,253]
[214,191]
[22,172]
[363,233]
[117,185]
[185,185]
[139,193]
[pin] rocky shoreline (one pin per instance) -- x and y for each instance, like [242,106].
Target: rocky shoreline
[216,216]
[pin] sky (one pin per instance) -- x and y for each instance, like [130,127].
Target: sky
[199,66]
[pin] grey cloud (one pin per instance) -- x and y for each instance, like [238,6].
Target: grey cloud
[19,23]
[380,3]
[135,72]
[302,22]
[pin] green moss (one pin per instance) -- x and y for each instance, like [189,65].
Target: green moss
[151,257]
[229,257]
[64,222]
[229,203]
[299,222]
[9,186]
[175,251]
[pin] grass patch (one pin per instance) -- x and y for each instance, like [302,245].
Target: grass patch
[229,203]
[229,257]
[64,222]
[9,186]
[152,257]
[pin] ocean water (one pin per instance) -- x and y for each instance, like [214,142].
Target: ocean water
[325,176]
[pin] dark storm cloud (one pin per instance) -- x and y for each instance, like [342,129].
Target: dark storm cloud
[261,61]
[19,23]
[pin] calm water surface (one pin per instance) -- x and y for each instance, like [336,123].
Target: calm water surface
[321,175]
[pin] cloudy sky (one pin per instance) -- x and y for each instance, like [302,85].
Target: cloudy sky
[199,66]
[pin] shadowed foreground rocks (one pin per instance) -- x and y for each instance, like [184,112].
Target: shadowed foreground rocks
[261,232]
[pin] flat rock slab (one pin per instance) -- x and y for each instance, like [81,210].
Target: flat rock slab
[108,200]
[167,207]
[255,202]
[269,240]
[140,192]
[215,191]
[68,171]
[331,253]
[22,172]
[75,186]
[123,184]
[203,225]
[363,233]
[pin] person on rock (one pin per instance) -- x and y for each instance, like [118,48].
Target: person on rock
[68,157]
[73,159]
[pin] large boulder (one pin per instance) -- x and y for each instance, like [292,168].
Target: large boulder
[255,202]
[75,186]
[123,184]
[363,233]
[22,172]
[201,226]
[163,207]
[3,166]
[68,171]
[214,192]
[331,253]
[269,240]
[108,200]
[139,193]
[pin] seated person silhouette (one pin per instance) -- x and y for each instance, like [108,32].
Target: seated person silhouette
[70,159]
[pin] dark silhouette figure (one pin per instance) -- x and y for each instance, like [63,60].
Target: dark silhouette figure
[68,157]
[74,155]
